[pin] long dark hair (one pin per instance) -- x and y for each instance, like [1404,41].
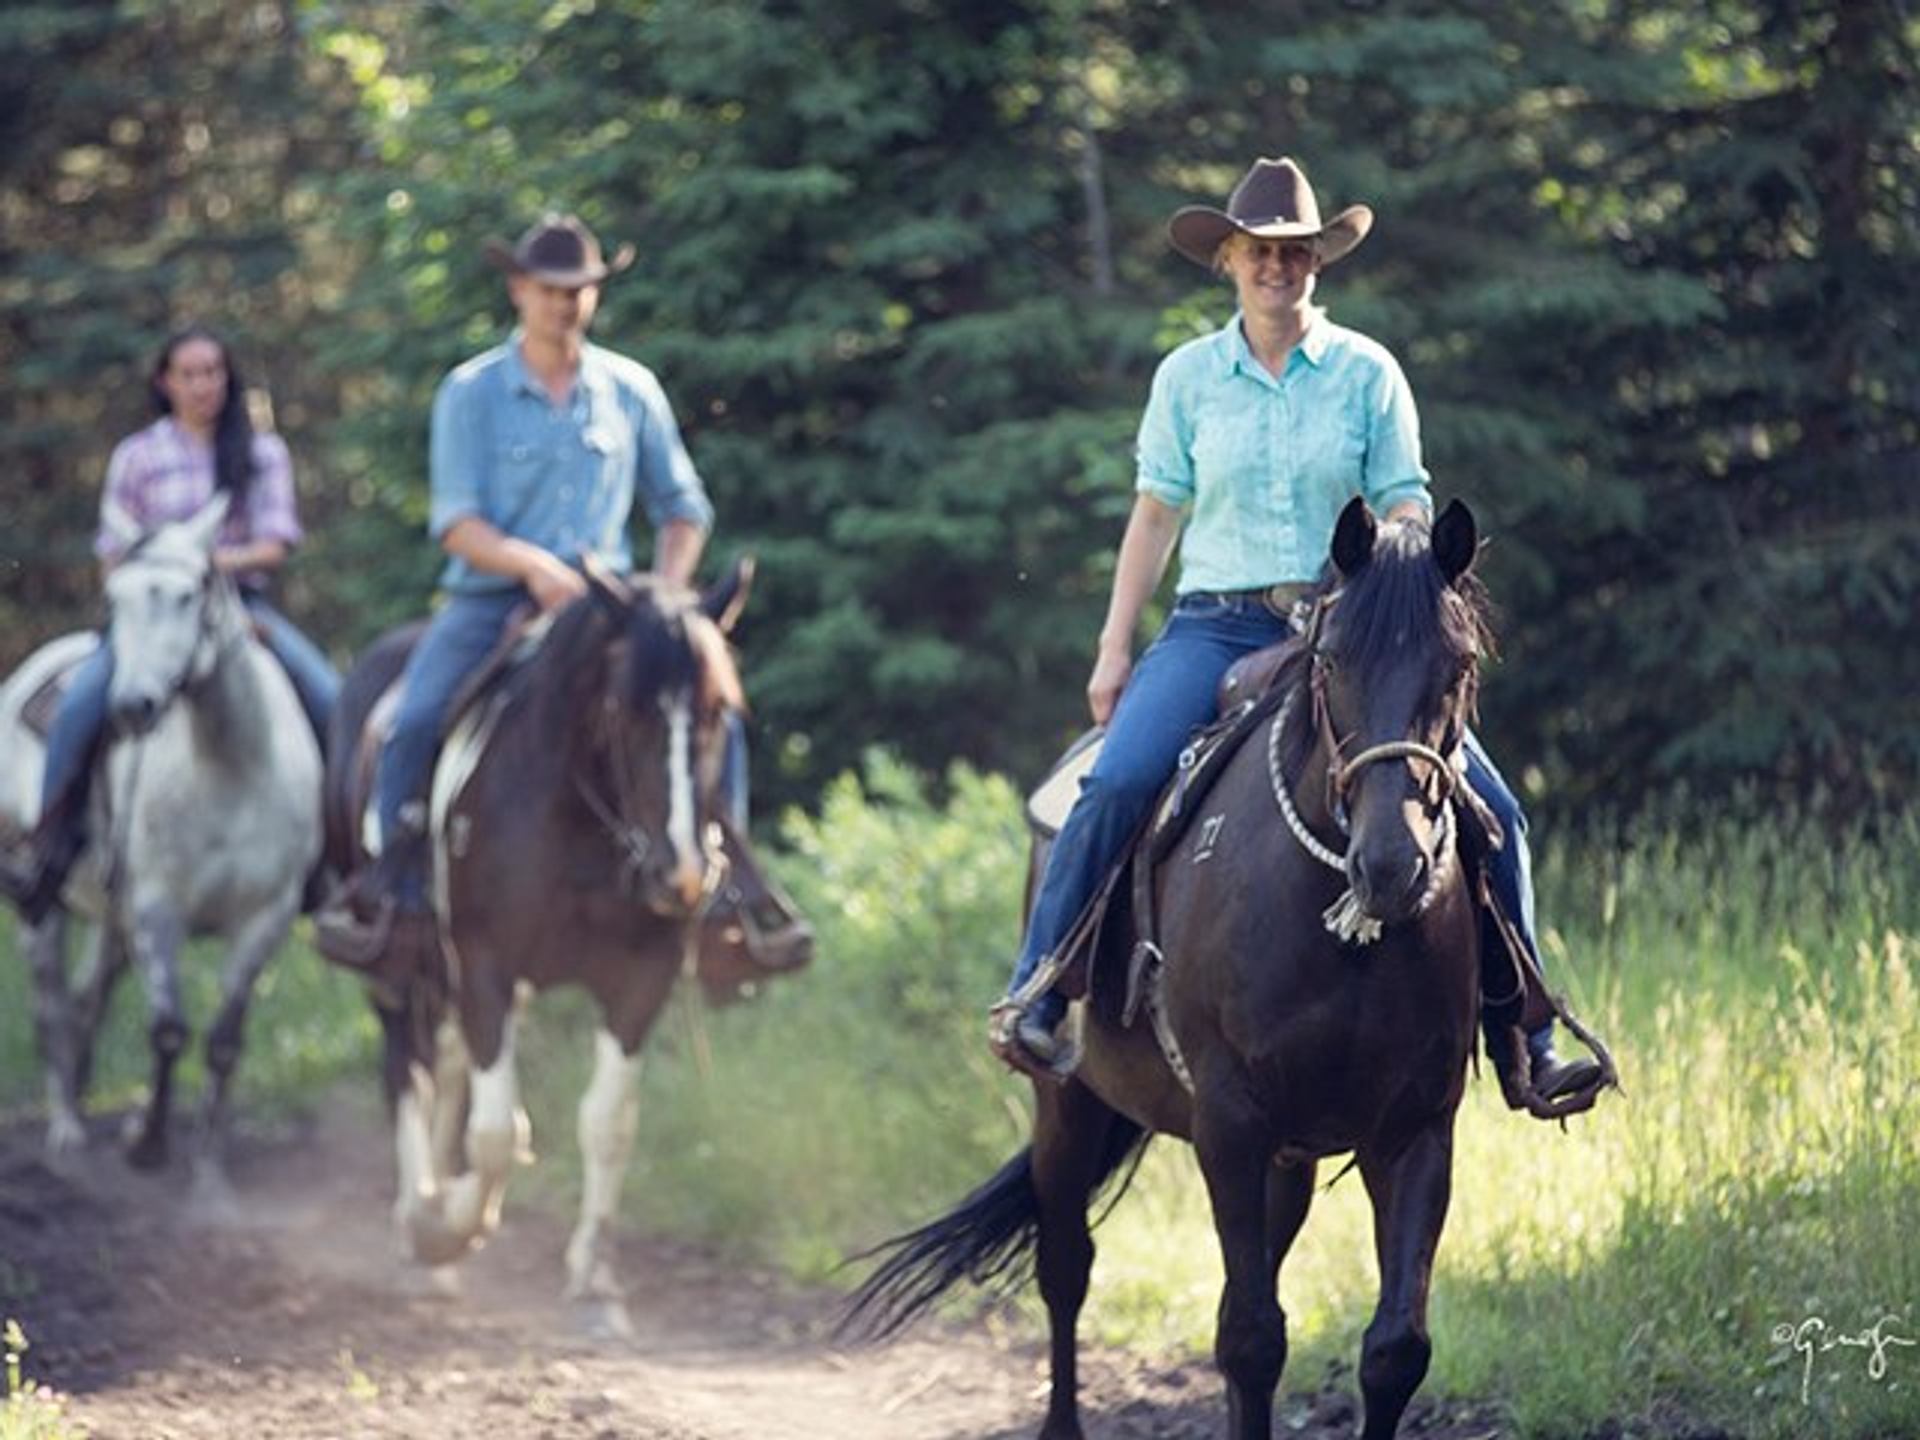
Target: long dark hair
[232,430]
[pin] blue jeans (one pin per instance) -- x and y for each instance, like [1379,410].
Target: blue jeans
[1171,695]
[82,716]
[457,639]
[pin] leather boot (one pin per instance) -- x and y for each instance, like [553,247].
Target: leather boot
[367,916]
[769,926]
[34,881]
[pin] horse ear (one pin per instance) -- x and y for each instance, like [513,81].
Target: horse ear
[609,591]
[1353,537]
[203,526]
[1456,540]
[724,601]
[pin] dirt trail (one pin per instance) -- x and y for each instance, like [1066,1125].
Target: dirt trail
[299,1321]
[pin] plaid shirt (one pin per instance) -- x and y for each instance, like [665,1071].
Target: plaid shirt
[162,474]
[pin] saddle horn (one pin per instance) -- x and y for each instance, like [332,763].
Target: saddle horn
[609,591]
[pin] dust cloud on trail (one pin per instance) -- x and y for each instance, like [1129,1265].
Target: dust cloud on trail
[297,1319]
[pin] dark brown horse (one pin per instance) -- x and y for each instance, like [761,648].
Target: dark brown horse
[575,823]
[1284,1043]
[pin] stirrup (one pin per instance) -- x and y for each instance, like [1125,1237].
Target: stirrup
[1570,1089]
[344,938]
[785,946]
[1013,1042]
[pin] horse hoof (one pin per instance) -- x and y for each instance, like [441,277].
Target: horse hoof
[211,1199]
[66,1137]
[435,1243]
[148,1153]
[603,1321]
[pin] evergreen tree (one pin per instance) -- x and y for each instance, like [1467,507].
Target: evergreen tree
[156,166]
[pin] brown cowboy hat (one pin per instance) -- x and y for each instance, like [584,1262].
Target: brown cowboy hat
[558,250]
[1273,201]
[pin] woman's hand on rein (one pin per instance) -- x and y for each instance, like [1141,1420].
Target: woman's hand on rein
[1109,678]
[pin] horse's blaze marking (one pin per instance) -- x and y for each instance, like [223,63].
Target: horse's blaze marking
[680,827]
[1209,837]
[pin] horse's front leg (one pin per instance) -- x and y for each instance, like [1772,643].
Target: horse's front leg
[157,937]
[57,1029]
[1409,1191]
[254,944]
[608,1118]
[1250,1345]
[447,1221]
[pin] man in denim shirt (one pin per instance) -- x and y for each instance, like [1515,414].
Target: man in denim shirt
[539,449]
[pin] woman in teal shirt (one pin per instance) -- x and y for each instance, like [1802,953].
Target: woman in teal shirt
[1254,436]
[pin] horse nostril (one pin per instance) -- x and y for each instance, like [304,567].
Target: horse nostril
[137,712]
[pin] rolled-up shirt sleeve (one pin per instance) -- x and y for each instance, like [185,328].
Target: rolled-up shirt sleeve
[272,513]
[668,486]
[1163,454]
[456,476]
[1394,472]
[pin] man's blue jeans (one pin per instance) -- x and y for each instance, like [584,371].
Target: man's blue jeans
[82,716]
[457,639]
[1168,698]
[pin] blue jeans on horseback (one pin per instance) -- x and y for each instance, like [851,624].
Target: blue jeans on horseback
[1169,697]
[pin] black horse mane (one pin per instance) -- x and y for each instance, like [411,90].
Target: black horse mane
[1395,606]
[671,646]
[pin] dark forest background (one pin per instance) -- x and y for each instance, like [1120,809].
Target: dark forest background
[1653,270]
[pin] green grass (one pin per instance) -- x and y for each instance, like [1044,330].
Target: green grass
[1758,988]
[1763,1167]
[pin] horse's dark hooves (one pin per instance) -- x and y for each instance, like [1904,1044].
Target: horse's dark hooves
[148,1153]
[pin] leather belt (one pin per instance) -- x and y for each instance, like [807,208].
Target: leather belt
[1279,600]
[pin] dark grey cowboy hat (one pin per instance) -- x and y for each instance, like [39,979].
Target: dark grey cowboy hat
[1273,201]
[558,250]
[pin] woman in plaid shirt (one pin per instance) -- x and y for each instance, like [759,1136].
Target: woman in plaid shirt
[202,444]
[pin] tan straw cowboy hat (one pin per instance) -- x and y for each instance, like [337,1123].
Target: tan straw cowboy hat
[558,250]
[1273,201]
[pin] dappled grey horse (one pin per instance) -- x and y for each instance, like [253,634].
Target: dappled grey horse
[205,822]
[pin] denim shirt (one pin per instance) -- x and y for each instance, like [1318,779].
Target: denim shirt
[563,477]
[1262,465]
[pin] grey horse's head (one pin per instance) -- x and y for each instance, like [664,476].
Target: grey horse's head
[162,598]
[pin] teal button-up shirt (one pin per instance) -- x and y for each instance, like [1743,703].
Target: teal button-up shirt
[1263,466]
[564,477]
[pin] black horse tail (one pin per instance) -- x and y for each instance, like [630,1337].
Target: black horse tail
[989,1239]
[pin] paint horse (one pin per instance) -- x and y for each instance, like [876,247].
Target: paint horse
[204,822]
[574,819]
[1279,1043]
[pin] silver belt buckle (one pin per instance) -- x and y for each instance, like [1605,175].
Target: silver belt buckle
[1281,599]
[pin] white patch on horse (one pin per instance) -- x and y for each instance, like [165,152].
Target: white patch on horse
[459,758]
[609,1114]
[680,806]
